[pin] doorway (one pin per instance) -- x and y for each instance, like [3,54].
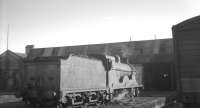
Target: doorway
[159,76]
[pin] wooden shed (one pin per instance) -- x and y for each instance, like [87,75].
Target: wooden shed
[11,69]
[187,51]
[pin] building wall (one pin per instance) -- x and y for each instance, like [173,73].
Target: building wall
[11,68]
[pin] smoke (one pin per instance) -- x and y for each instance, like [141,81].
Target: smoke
[106,50]
[125,51]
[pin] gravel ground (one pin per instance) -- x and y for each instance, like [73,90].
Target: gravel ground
[10,101]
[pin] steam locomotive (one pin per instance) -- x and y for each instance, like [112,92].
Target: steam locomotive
[76,80]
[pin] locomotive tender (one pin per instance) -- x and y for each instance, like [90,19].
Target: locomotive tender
[76,80]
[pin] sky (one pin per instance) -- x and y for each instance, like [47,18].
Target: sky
[52,23]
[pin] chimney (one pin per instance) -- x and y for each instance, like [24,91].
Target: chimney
[28,48]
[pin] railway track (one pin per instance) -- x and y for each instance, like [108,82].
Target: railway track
[138,102]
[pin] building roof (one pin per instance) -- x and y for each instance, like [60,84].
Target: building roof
[20,55]
[23,55]
[188,24]
[123,49]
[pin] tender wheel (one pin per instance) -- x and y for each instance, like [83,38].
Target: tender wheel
[60,105]
[137,92]
[27,104]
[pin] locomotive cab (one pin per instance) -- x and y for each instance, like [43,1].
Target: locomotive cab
[122,77]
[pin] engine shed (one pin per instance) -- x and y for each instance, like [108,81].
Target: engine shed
[149,57]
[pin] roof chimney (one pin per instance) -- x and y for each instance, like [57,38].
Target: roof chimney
[28,48]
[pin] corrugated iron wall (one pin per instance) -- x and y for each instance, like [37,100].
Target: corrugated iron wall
[136,51]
